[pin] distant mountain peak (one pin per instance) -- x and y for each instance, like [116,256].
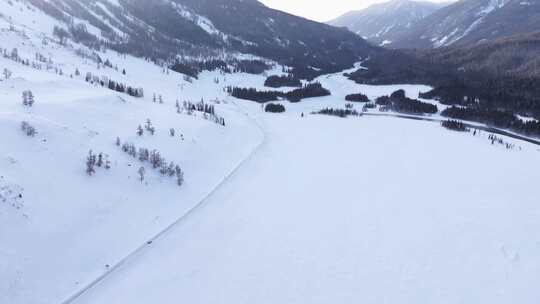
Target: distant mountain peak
[473,21]
[383,23]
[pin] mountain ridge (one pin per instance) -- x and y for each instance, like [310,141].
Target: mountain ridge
[382,23]
[167,28]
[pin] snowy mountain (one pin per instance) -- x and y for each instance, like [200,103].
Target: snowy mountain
[167,28]
[473,21]
[123,181]
[386,22]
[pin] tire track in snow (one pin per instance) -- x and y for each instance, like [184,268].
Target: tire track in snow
[147,245]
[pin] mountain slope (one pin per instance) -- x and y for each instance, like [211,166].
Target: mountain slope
[386,22]
[166,28]
[471,21]
[501,74]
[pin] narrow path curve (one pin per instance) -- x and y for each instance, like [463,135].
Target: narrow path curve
[148,244]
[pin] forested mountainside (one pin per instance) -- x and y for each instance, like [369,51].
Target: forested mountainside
[166,28]
[384,23]
[494,76]
[473,21]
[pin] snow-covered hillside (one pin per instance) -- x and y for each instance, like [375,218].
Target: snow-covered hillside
[365,210]
[292,207]
[54,218]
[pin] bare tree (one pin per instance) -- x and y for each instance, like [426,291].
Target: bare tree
[141,173]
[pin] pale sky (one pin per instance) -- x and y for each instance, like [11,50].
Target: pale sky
[320,10]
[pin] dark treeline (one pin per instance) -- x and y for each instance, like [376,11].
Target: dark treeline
[398,102]
[307,91]
[275,81]
[113,85]
[357,98]
[454,125]
[193,68]
[254,94]
[274,108]
[492,76]
[338,112]
[494,117]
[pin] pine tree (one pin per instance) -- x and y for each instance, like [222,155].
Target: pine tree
[99,162]
[172,132]
[140,130]
[107,162]
[179,175]
[118,141]
[25,98]
[171,169]
[141,173]
[90,163]
[30,99]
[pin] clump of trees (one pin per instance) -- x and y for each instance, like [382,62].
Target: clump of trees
[156,161]
[276,81]
[208,110]
[94,161]
[104,81]
[455,125]
[254,94]
[338,112]
[498,140]
[28,98]
[193,68]
[309,90]
[357,98]
[274,108]
[28,129]
[494,117]
[398,102]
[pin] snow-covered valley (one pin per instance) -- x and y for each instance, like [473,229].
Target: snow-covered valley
[348,211]
[293,207]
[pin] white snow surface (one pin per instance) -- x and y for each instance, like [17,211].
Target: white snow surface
[348,211]
[317,209]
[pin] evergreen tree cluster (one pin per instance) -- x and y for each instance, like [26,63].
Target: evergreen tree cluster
[114,85]
[494,117]
[193,68]
[343,113]
[498,140]
[274,108]
[148,127]
[94,161]
[254,94]
[357,98]
[40,62]
[28,98]
[455,125]
[307,91]
[208,110]
[398,102]
[276,81]
[156,161]
[28,129]
[369,105]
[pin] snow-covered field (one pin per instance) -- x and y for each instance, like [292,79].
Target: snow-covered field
[275,208]
[368,210]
